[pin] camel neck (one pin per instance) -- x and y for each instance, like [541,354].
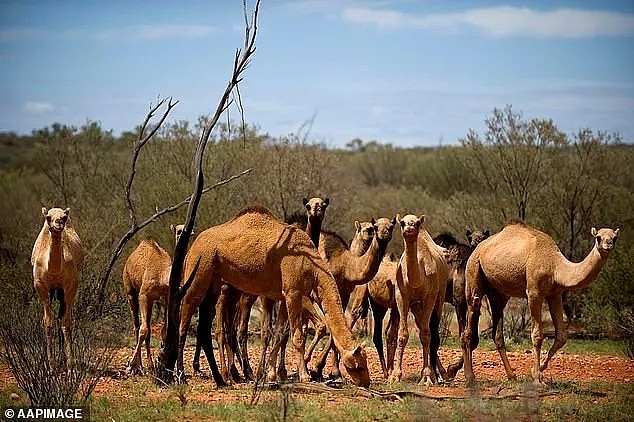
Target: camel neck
[313,230]
[577,275]
[361,269]
[411,262]
[55,252]
[328,294]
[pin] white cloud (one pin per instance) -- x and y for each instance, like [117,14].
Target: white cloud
[156,32]
[504,21]
[37,107]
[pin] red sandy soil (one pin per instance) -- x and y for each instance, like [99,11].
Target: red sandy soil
[487,367]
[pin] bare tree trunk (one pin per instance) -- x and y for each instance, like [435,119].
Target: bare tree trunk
[169,353]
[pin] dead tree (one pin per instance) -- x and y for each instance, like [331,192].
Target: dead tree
[168,355]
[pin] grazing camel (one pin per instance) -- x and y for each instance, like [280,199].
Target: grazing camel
[457,254]
[146,280]
[521,261]
[261,255]
[421,277]
[57,259]
[234,307]
[350,271]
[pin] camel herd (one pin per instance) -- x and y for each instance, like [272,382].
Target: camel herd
[304,275]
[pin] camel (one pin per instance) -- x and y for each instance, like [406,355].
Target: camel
[421,277]
[350,271]
[457,254]
[261,255]
[146,280]
[521,261]
[57,259]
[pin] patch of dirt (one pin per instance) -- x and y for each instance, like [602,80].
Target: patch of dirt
[487,367]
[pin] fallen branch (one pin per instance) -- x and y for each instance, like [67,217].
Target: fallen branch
[310,387]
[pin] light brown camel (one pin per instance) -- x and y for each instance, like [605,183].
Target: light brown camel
[521,261]
[261,255]
[235,309]
[146,280]
[421,277]
[457,254]
[350,271]
[57,259]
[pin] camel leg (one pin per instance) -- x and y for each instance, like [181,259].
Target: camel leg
[391,334]
[497,303]
[135,366]
[377,336]
[402,303]
[422,316]
[133,302]
[294,309]
[246,304]
[535,306]
[67,304]
[47,319]
[474,291]
[460,305]
[148,336]
[555,306]
[222,311]
[206,314]
[359,305]
[278,337]
[312,314]
[266,333]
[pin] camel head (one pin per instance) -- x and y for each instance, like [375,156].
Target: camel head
[410,226]
[316,207]
[605,239]
[365,231]
[356,364]
[383,228]
[475,237]
[178,231]
[56,219]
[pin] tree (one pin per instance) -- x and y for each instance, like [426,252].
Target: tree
[510,159]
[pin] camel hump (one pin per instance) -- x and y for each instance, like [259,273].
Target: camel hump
[255,209]
[515,222]
[445,240]
[298,220]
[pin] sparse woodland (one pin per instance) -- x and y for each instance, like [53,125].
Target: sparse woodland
[562,183]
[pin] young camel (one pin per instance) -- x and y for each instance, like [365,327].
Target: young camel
[261,255]
[146,280]
[420,287]
[521,261]
[57,259]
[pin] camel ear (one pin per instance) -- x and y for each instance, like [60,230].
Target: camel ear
[468,233]
[327,201]
[305,201]
[357,225]
[373,221]
[616,232]
[487,233]
[422,218]
[173,228]
[593,232]
[398,218]
[67,211]
[393,221]
[44,211]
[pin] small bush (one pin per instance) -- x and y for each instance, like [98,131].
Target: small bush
[49,383]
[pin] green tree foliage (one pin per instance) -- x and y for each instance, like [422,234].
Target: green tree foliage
[562,184]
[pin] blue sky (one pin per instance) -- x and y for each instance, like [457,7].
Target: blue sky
[405,72]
